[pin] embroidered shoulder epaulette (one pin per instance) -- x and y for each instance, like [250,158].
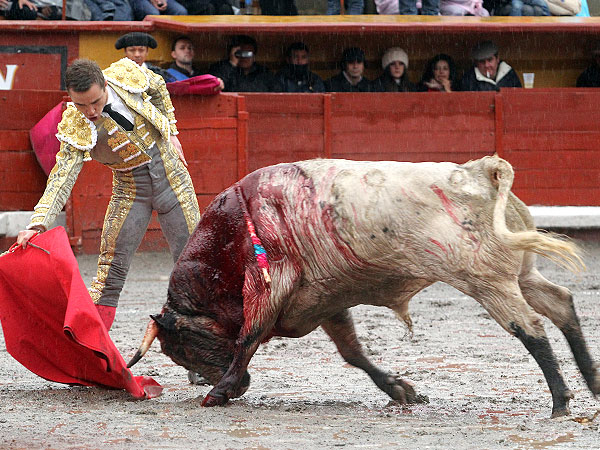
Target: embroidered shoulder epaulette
[76,129]
[126,74]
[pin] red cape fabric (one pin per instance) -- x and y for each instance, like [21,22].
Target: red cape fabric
[200,85]
[51,324]
[43,139]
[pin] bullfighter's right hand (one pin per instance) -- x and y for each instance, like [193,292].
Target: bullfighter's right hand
[24,236]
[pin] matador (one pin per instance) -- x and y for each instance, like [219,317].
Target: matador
[122,117]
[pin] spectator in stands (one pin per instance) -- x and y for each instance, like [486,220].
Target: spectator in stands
[463,8]
[353,7]
[439,75]
[116,10]
[428,8]
[143,8]
[489,73]
[182,52]
[350,79]
[208,7]
[395,72]
[135,45]
[296,76]
[240,72]
[517,7]
[278,8]
[590,77]
[43,9]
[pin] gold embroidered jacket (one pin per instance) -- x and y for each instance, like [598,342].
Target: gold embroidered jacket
[145,93]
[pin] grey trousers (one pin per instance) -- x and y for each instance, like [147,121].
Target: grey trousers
[135,195]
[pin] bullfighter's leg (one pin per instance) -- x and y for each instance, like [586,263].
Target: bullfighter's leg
[505,303]
[556,303]
[127,217]
[262,305]
[341,330]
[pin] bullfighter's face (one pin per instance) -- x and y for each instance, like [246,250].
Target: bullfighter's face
[91,102]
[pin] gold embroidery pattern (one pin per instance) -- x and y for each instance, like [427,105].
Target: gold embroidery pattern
[120,204]
[126,74]
[76,129]
[69,162]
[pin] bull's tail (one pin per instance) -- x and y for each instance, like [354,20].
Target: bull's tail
[561,251]
[149,336]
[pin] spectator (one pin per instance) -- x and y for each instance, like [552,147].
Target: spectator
[439,75]
[116,10]
[182,52]
[428,7]
[278,8]
[395,72]
[296,75]
[489,73]
[143,8]
[353,7]
[43,9]
[208,7]
[590,77]
[350,79]
[463,8]
[240,72]
[135,45]
[517,7]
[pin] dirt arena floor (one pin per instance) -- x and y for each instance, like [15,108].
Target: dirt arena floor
[485,391]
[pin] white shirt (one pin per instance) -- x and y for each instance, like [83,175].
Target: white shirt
[117,105]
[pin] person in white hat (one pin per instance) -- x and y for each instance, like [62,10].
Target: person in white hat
[395,72]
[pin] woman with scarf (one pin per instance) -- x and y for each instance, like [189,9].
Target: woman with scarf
[395,75]
[439,75]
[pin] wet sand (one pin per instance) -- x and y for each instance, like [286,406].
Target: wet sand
[485,391]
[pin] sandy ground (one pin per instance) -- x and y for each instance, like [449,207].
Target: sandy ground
[485,391]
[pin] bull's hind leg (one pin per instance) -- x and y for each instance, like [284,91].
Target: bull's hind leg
[556,303]
[505,303]
[341,330]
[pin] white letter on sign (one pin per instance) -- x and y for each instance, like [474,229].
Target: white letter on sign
[7,83]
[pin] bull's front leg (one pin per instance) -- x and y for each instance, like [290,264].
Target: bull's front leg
[262,304]
[341,330]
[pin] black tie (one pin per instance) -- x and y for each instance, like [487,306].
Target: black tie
[117,117]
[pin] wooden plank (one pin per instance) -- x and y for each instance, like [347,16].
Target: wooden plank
[292,124]
[552,141]
[14,140]
[559,177]
[284,104]
[543,159]
[26,107]
[559,196]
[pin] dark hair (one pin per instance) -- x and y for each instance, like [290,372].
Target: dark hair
[428,73]
[241,39]
[82,75]
[181,37]
[296,46]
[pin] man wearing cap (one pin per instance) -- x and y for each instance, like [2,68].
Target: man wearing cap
[590,77]
[350,79]
[136,45]
[122,117]
[296,76]
[489,73]
[240,72]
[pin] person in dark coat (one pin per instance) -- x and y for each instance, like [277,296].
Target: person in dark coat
[350,79]
[240,72]
[395,72]
[489,73]
[439,75]
[278,8]
[296,76]
[590,77]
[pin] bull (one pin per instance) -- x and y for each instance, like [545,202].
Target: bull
[341,233]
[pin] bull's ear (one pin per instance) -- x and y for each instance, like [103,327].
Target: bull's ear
[165,320]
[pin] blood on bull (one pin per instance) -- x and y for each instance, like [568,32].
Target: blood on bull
[340,233]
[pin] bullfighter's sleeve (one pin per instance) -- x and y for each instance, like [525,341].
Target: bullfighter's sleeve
[161,99]
[69,162]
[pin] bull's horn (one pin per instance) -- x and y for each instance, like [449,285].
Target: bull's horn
[149,336]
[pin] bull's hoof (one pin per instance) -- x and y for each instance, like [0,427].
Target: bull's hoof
[560,412]
[403,392]
[214,400]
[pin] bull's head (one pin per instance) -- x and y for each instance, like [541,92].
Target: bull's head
[198,343]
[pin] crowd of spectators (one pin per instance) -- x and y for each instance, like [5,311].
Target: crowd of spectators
[121,10]
[240,72]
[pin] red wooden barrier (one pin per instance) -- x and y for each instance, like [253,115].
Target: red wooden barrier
[550,137]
